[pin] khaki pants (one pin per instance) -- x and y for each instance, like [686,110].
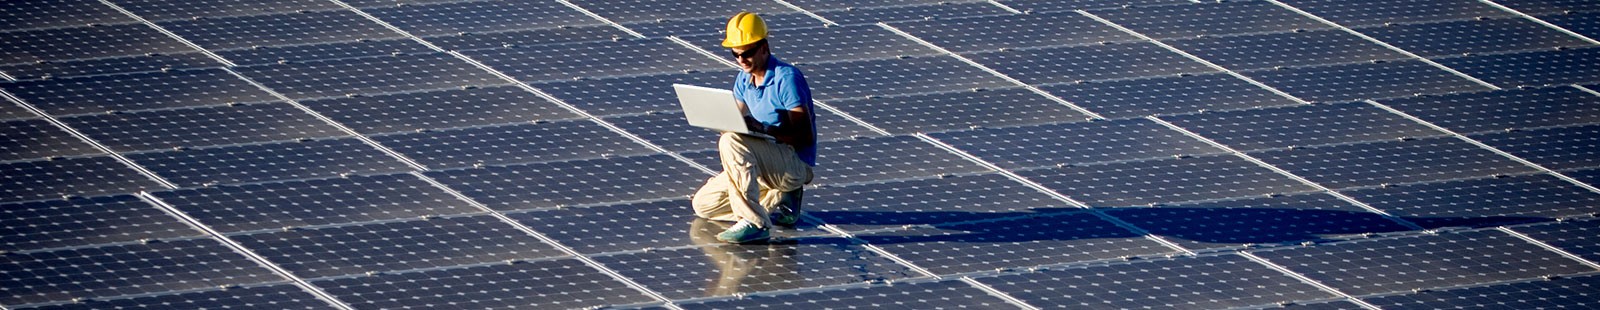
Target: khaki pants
[751,168]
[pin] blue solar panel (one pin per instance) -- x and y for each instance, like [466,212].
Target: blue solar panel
[69,176]
[887,158]
[1263,51]
[1087,63]
[626,226]
[662,27]
[479,16]
[592,181]
[136,92]
[716,269]
[1167,95]
[830,44]
[266,55]
[1379,12]
[594,60]
[85,42]
[1207,282]
[1554,148]
[1268,220]
[858,79]
[276,30]
[1556,293]
[1387,162]
[1576,237]
[1421,262]
[561,283]
[462,41]
[1158,181]
[36,138]
[1583,23]
[1358,81]
[1303,125]
[57,13]
[1541,7]
[358,76]
[393,246]
[199,127]
[632,94]
[1039,6]
[926,202]
[949,294]
[280,296]
[114,65]
[868,15]
[932,112]
[250,163]
[1203,19]
[46,224]
[1013,243]
[1505,109]
[1075,143]
[165,265]
[1482,202]
[633,11]
[1458,38]
[1565,66]
[440,109]
[992,33]
[511,144]
[261,206]
[157,10]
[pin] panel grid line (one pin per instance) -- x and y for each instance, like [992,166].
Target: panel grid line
[1540,21]
[1008,8]
[347,130]
[1549,247]
[241,249]
[991,71]
[1384,44]
[1286,173]
[163,30]
[608,21]
[1586,89]
[804,11]
[383,23]
[1483,146]
[1186,54]
[997,293]
[870,247]
[86,139]
[1306,280]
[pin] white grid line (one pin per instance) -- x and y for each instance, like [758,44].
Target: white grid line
[385,24]
[86,139]
[1306,280]
[1549,247]
[170,34]
[1384,44]
[806,12]
[997,293]
[347,130]
[1541,22]
[1002,76]
[597,16]
[1486,147]
[1208,63]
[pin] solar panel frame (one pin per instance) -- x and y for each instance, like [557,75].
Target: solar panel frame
[1503,109]
[594,59]
[1379,12]
[373,75]
[69,176]
[1257,221]
[250,163]
[1227,281]
[1167,95]
[1358,81]
[1482,202]
[1159,181]
[1579,22]
[993,33]
[25,139]
[1391,162]
[722,269]
[1539,68]
[438,109]
[1466,37]
[929,201]
[1208,19]
[942,10]
[201,126]
[51,224]
[1573,236]
[1399,264]
[304,27]
[1006,244]
[1049,145]
[1272,50]
[932,112]
[139,91]
[572,183]
[1561,148]
[299,203]
[1089,63]
[1301,125]
[426,20]
[1555,293]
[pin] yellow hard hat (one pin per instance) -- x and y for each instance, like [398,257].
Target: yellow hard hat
[745,28]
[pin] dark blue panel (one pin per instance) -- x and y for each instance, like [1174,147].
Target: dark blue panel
[717,24]
[830,44]
[140,91]
[281,296]
[824,5]
[1421,262]
[910,12]
[1584,23]
[441,109]
[85,42]
[264,55]
[1352,13]
[1087,63]
[992,33]
[564,283]
[1180,21]
[480,16]
[1263,220]
[125,269]
[275,30]
[948,294]
[1013,243]
[631,226]
[369,75]
[72,176]
[873,159]
[1224,282]
[36,138]
[268,162]
[1378,163]
[157,10]
[1590,176]
[1483,202]
[1577,237]
[1069,5]
[115,65]
[632,94]
[1302,125]
[594,59]
[79,222]
[1167,95]
[1567,66]
[532,37]
[1349,82]
[1078,143]
[57,13]
[12,111]
[1557,293]
[1504,109]
[1473,37]
[1292,49]
[896,76]
[961,110]
[635,11]
[391,246]
[199,127]
[1541,7]
[927,202]
[239,208]
[1164,181]
[668,130]
[1561,148]
[378,3]
[592,181]
[718,269]
[512,144]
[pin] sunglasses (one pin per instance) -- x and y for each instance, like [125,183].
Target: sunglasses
[747,53]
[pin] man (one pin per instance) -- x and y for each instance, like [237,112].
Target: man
[777,101]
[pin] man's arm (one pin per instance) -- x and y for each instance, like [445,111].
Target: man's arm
[796,129]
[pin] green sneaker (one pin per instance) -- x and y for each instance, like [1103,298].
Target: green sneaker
[744,232]
[787,212]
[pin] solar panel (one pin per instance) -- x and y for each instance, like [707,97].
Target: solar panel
[298,203]
[479,16]
[868,15]
[1401,264]
[715,269]
[1189,282]
[590,181]
[57,13]
[1263,51]
[280,296]
[1390,162]
[1040,6]
[625,227]
[828,44]
[633,11]
[886,158]
[1302,125]
[1209,19]
[1563,66]
[1458,38]
[511,144]
[36,138]
[1379,12]
[1576,237]
[1504,109]
[1013,243]
[632,94]
[47,224]
[69,176]
[949,294]
[282,29]
[1167,95]
[358,76]
[1482,202]
[1554,148]
[439,109]
[594,60]
[927,201]
[266,55]
[11,111]
[1556,293]
[1257,221]
[113,65]
[131,92]
[1541,7]
[932,112]
[85,42]
[1580,22]
[165,265]
[1086,63]
[662,27]
[203,126]
[560,283]
[1356,81]
[992,33]
[462,41]
[391,246]
[1170,180]
[158,10]
[885,77]
[1074,143]
[250,163]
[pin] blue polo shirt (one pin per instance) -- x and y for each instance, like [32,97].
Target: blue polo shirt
[783,88]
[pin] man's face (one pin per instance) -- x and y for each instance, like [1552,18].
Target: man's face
[751,58]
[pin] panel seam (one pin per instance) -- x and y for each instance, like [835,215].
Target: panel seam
[1385,44]
[1196,58]
[1548,247]
[1486,147]
[1307,280]
[1540,21]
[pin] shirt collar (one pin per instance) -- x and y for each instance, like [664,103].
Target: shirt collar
[772,62]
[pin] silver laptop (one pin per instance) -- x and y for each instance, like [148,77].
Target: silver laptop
[713,109]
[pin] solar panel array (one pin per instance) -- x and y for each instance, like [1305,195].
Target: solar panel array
[367,154]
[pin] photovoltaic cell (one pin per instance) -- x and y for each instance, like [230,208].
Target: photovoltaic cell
[158,10]
[390,246]
[57,13]
[1483,202]
[822,5]
[1540,7]
[617,227]
[266,55]
[886,77]
[511,144]
[562,283]
[1504,109]
[1077,143]
[71,176]
[267,162]
[1257,221]
[1167,95]
[1584,23]
[1013,243]
[992,33]
[198,127]
[662,27]
[281,29]
[449,108]
[1576,237]
[1473,37]
[1557,293]
[830,44]
[369,75]
[532,37]
[1180,21]
[897,157]
[1356,81]
[114,65]
[909,12]
[1302,125]
[479,16]
[237,208]
[934,112]
[1554,148]
[1263,51]
[1040,6]
[1189,282]
[1421,262]
[125,269]
[633,11]
[85,42]
[1566,66]
[926,202]
[1339,304]
[949,294]
[36,138]
[10,110]
[378,3]
[632,94]
[1163,181]
[45,224]
[594,59]
[281,296]
[1378,163]
[1378,12]
[138,91]
[591,181]
[1086,63]
[717,269]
